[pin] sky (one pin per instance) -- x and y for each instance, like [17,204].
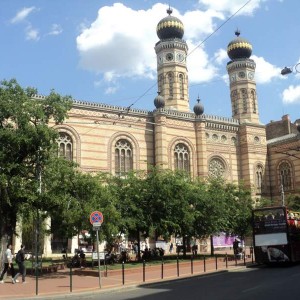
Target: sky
[103,51]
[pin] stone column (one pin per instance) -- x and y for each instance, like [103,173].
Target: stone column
[161,146]
[201,150]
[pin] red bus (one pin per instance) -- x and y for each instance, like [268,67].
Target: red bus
[276,235]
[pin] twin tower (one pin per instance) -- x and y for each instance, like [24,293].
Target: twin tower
[172,74]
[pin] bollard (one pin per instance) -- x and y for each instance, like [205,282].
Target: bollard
[226,260]
[244,258]
[192,265]
[71,279]
[204,264]
[216,262]
[123,273]
[144,269]
[177,267]
[162,268]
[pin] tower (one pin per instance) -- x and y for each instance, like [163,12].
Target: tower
[241,70]
[171,51]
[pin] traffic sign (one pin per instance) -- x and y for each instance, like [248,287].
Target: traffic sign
[96,217]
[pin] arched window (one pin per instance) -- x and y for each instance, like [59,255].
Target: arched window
[259,179]
[244,97]
[181,157]
[160,84]
[253,99]
[285,175]
[216,168]
[171,84]
[65,146]
[234,97]
[181,86]
[123,157]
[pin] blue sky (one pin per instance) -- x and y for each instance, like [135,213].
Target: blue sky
[103,51]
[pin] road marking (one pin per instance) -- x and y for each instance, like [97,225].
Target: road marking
[251,289]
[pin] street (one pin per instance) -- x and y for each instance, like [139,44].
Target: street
[266,283]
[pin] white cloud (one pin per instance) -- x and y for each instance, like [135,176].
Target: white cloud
[119,43]
[199,67]
[55,29]
[291,94]
[221,56]
[230,7]
[22,14]
[265,71]
[31,33]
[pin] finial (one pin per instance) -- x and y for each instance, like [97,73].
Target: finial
[198,99]
[169,10]
[237,32]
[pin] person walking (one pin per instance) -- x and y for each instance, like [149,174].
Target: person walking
[20,259]
[8,264]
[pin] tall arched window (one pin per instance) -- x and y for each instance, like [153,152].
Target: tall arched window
[285,175]
[171,84]
[234,97]
[253,99]
[244,97]
[123,157]
[216,167]
[259,179]
[65,146]
[160,84]
[181,157]
[181,86]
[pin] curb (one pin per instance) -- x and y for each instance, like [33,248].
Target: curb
[97,291]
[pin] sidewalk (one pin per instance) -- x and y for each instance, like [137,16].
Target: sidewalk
[58,285]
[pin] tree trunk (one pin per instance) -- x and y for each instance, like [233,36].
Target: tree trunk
[184,245]
[212,250]
[139,245]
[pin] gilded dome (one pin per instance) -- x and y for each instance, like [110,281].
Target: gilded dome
[239,48]
[170,27]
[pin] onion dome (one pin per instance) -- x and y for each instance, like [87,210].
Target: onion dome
[159,101]
[198,108]
[169,27]
[239,48]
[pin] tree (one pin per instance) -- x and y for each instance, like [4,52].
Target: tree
[26,143]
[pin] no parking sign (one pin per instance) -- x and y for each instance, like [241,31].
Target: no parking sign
[96,218]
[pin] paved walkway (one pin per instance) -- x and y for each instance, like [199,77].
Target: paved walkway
[61,285]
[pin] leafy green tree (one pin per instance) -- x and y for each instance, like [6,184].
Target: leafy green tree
[26,143]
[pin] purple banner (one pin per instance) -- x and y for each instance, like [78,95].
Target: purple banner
[223,240]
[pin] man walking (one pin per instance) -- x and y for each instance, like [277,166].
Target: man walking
[20,259]
[8,264]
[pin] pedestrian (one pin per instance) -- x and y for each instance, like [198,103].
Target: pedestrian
[8,264]
[171,248]
[236,247]
[20,259]
[82,259]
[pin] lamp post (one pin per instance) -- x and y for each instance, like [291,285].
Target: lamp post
[289,70]
[282,194]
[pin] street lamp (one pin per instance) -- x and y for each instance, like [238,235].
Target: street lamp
[289,70]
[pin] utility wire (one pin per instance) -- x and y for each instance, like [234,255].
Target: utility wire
[202,42]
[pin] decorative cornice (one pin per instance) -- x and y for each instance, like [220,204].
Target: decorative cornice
[241,63]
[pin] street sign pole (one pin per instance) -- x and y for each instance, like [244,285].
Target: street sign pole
[99,270]
[96,219]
